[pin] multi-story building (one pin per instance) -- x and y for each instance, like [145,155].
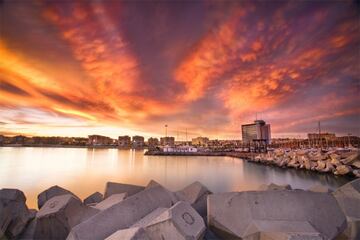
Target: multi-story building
[258,130]
[138,141]
[167,141]
[153,142]
[124,142]
[99,140]
[321,136]
[200,141]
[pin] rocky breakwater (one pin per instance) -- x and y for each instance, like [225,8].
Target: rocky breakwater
[129,212]
[336,162]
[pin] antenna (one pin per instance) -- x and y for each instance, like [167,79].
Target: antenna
[256,116]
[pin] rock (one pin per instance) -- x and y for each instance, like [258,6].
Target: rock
[112,188]
[14,214]
[356,164]
[273,186]
[356,172]
[96,197]
[329,167]
[320,188]
[136,233]
[32,213]
[180,221]
[335,159]
[348,197]
[195,194]
[58,215]
[151,184]
[321,165]
[293,163]
[342,170]
[52,192]
[148,218]
[245,215]
[352,158]
[279,152]
[29,232]
[123,214]
[112,200]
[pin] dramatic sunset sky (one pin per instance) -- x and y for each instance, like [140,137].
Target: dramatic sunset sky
[129,67]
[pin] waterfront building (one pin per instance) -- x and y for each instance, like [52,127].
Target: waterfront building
[321,136]
[138,141]
[124,141]
[153,142]
[167,141]
[257,131]
[99,140]
[179,149]
[200,141]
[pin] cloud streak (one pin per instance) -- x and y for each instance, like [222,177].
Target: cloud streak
[112,66]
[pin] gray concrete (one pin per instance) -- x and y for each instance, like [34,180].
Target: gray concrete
[113,188]
[96,197]
[152,183]
[195,194]
[135,233]
[110,201]
[248,214]
[150,217]
[320,188]
[273,186]
[14,214]
[52,192]
[123,214]
[58,215]
[180,222]
[348,197]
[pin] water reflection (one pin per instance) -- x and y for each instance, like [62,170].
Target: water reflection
[84,171]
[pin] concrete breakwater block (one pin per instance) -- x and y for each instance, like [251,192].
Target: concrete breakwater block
[135,233]
[110,201]
[180,222]
[250,215]
[96,197]
[273,186]
[123,214]
[149,218]
[14,214]
[52,192]
[348,197]
[113,188]
[56,218]
[195,194]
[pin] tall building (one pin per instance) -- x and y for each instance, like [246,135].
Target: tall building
[138,141]
[99,140]
[167,141]
[124,141]
[153,142]
[258,130]
[199,141]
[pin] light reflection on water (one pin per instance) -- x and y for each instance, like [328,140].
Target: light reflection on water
[84,171]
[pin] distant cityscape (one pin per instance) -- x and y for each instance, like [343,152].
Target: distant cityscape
[256,134]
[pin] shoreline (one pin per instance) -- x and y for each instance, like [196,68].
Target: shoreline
[335,164]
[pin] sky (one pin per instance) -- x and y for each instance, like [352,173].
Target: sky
[74,68]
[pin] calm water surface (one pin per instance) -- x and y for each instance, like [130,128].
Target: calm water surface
[84,171]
